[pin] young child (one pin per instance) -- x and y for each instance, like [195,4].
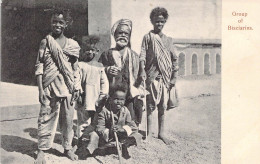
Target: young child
[95,87]
[124,126]
[159,62]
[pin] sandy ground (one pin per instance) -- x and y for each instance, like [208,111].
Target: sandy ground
[194,126]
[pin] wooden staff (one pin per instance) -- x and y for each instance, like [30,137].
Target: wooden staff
[117,142]
[145,109]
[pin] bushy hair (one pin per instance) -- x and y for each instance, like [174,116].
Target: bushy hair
[159,11]
[118,87]
[65,12]
[91,41]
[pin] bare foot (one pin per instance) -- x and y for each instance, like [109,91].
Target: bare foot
[40,158]
[165,140]
[71,153]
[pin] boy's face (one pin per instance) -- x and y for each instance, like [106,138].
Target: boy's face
[58,24]
[158,22]
[118,100]
[89,54]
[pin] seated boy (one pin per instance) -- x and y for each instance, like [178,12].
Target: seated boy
[125,128]
[95,87]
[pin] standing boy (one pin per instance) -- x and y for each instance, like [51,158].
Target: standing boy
[159,63]
[58,83]
[95,87]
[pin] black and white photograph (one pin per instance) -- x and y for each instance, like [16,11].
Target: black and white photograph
[111,81]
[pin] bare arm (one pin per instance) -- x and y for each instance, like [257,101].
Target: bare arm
[104,88]
[142,59]
[39,83]
[39,71]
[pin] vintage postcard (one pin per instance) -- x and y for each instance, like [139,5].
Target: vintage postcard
[130,81]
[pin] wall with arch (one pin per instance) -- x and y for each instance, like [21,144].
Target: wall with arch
[191,59]
[194,64]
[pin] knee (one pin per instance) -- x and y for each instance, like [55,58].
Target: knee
[93,136]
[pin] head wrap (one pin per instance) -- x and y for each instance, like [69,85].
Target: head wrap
[120,22]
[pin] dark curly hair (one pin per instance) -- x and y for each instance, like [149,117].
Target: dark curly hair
[65,12]
[159,11]
[118,87]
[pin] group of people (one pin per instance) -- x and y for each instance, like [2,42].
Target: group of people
[108,92]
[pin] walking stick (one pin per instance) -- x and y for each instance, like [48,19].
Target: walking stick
[117,142]
[145,109]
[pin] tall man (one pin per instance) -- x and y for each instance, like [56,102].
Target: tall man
[159,63]
[58,83]
[122,66]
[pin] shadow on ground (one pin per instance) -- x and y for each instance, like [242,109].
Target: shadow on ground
[34,134]
[26,146]
[17,144]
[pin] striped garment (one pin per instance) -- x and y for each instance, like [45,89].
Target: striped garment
[163,57]
[59,58]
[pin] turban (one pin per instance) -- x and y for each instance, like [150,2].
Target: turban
[126,22]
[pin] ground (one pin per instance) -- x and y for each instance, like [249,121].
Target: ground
[195,126]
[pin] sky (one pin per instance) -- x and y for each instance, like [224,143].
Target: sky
[188,19]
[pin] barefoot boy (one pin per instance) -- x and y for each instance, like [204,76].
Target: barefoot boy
[58,83]
[159,63]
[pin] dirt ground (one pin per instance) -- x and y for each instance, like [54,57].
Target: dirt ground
[195,126]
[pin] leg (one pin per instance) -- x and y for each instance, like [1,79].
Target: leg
[162,106]
[83,117]
[152,100]
[47,125]
[93,143]
[138,108]
[130,106]
[91,115]
[91,127]
[40,159]
[134,139]
[84,150]
[161,128]
[150,109]
[66,124]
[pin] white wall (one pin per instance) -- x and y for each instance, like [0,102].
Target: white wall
[99,16]
[190,19]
